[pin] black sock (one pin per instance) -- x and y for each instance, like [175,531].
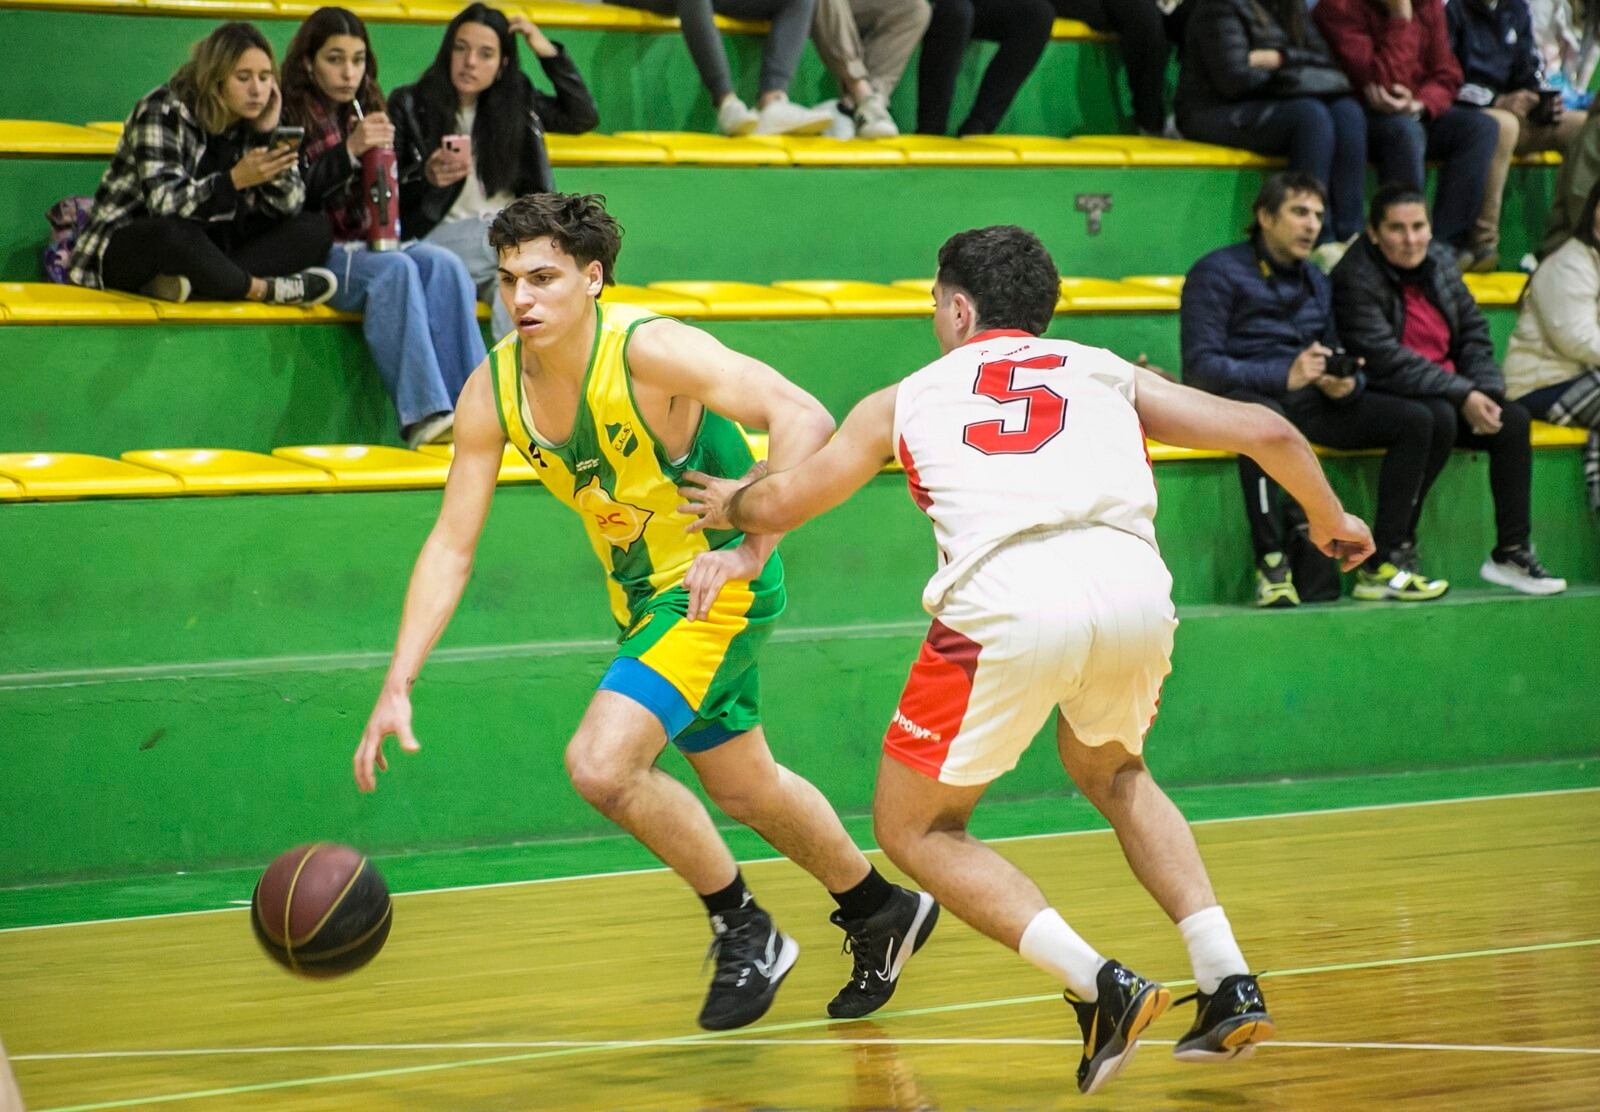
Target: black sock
[865,898]
[731,898]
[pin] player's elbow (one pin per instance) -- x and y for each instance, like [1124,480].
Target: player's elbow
[1270,433]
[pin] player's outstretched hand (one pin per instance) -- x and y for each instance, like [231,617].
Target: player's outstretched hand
[391,715]
[711,570]
[1347,539]
[706,497]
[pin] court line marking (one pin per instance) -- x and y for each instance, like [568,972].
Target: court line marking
[658,869]
[694,1041]
[379,658]
[766,1031]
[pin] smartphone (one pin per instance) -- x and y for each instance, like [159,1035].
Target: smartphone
[458,144]
[287,137]
[1549,106]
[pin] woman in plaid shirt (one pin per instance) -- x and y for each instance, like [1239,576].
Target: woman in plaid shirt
[195,203]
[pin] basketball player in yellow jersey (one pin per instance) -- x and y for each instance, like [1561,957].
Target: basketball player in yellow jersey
[611,405]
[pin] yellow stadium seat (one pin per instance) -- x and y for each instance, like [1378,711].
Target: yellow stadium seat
[513,468]
[49,303]
[819,150]
[369,466]
[64,475]
[382,11]
[110,127]
[939,150]
[1100,295]
[77,5]
[1166,283]
[921,285]
[1539,158]
[1047,150]
[592,149]
[9,490]
[1543,435]
[863,299]
[1160,453]
[1496,289]
[1144,150]
[657,301]
[248,312]
[700,149]
[746,300]
[599,17]
[222,9]
[1071,30]
[229,471]
[41,138]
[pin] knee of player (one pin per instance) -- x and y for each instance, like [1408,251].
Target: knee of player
[602,782]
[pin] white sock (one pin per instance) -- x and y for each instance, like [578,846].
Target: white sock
[1057,949]
[1212,949]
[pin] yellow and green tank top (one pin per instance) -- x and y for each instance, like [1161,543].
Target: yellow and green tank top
[614,473]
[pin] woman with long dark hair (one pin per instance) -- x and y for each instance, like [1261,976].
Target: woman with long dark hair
[417,302]
[196,202]
[1553,361]
[1257,74]
[470,137]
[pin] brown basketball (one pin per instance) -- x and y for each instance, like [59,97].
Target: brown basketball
[321,910]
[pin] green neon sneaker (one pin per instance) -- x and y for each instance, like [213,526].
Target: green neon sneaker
[1274,586]
[1392,583]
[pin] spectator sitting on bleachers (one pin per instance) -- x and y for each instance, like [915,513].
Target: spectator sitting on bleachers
[1021,28]
[1397,55]
[1257,326]
[1553,360]
[417,302]
[1401,304]
[866,44]
[1259,76]
[1140,27]
[1501,66]
[774,113]
[195,203]
[1569,47]
[448,198]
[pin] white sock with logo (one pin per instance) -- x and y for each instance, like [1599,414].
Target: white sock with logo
[1058,949]
[1212,949]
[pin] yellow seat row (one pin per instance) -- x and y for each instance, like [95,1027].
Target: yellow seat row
[23,303]
[546,13]
[64,476]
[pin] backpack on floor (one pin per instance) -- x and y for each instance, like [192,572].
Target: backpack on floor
[68,218]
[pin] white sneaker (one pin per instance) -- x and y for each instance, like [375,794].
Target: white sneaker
[735,117]
[841,125]
[438,429]
[1519,569]
[873,120]
[168,287]
[784,117]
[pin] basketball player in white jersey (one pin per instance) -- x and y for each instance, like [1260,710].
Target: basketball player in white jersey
[1028,455]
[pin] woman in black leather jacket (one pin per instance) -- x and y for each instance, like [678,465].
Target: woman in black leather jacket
[1257,74]
[476,96]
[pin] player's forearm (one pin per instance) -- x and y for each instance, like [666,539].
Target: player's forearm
[762,510]
[1286,456]
[436,587]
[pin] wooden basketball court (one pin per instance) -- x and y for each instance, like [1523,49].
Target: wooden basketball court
[1430,956]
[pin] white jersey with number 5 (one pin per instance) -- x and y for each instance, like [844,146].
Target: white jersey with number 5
[1011,433]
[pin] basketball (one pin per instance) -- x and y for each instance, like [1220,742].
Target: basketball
[321,910]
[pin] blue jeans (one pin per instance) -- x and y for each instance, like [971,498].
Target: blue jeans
[1324,138]
[468,240]
[419,318]
[1463,139]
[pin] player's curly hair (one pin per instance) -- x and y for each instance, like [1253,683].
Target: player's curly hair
[1005,270]
[577,222]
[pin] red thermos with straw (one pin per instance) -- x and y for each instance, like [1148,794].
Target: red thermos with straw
[380,194]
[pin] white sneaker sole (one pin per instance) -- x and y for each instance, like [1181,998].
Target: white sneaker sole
[1493,573]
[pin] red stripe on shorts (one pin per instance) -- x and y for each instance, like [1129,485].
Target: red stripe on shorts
[934,701]
[919,493]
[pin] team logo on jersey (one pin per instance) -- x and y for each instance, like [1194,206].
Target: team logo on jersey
[622,438]
[618,522]
[588,464]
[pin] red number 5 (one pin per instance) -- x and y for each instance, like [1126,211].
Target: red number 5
[1044,411]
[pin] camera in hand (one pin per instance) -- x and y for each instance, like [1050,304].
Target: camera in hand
[1547,109]
[1341,364]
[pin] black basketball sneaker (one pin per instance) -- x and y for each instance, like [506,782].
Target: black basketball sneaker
[881,944]
[1127,1005]
[752,958]
[1229,1023]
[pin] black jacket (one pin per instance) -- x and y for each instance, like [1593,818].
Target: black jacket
[1495,47]
[418,131]
[1369,305]
[1216,68]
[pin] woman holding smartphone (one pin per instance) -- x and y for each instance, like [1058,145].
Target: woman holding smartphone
[198,200]
[470,136]
[417,303]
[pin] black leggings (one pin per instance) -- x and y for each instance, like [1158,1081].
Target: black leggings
[218,259]
[1142,38]
[1021,27]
